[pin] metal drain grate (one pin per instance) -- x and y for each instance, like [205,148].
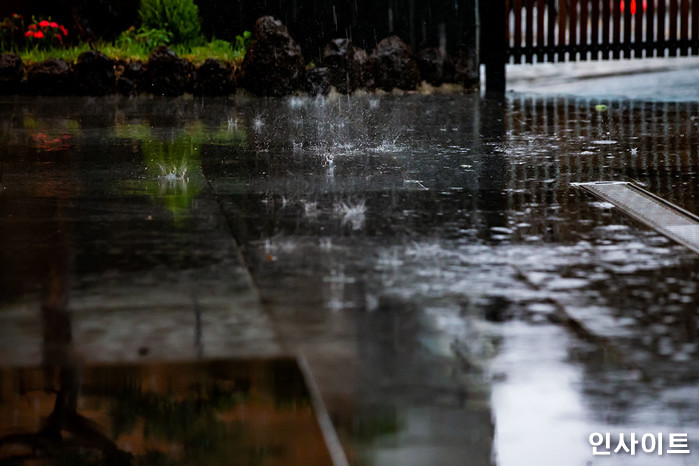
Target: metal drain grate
[659,214]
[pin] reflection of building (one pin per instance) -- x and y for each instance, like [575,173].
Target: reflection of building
[555,142]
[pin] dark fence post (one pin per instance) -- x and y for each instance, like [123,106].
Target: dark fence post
[493,43]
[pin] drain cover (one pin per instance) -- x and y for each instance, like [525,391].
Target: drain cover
[659,214]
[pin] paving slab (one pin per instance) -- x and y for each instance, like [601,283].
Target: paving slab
[137,266]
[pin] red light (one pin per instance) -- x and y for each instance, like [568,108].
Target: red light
[622,6]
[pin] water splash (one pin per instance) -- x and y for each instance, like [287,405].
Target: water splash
[353,214]
[326,244]
[258,123]
[330,164]
[296,102]
[310,209]
[174,173]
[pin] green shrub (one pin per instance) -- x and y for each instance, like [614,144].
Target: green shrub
[180,18]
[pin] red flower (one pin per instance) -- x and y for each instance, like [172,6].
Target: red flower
[53,25]
[29,33]
[64,30]
[32,27]
[44,24]
[39,35]
[16,16]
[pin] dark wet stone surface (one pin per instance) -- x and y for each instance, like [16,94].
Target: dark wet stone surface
[436,67]
[349,66]
[394,65]
[132,79]
[212,78]
[94,73]
[168,74]
[465,69]
[11,73]
[50,77]
[317,82]
[273,64]
[455,297]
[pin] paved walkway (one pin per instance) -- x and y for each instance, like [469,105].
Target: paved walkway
[455,296]
[655,79]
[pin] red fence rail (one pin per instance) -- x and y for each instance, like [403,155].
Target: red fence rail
[574,30]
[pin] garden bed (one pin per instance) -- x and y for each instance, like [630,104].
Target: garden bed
[273,66]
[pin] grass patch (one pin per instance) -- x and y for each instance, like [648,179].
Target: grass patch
[220,50]
[38,55]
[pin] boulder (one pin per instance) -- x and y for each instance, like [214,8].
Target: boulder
[317,82]
[167,74]
[132,79]
[395,65]
[212,78]
[273,64]
[436,67]
[464,69]
[50,77]
[94,74]
[348,66]
[11,73]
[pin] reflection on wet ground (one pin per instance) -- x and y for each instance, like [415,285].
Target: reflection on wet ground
[214,412]
[456,299]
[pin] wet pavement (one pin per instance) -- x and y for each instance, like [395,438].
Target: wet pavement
[658,79]
[448,293]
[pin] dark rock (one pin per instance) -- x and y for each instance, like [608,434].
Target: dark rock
[436,67]
[317,82]
[395,65]
[464,69]
[11,73]
[348,66]
[167,74]
[212,78]
[125,86]
[132,79]
[50,77]
[273,64]
[94,74]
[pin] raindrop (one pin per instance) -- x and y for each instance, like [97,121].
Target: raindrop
[296,102]
[257,123]
[442,40]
